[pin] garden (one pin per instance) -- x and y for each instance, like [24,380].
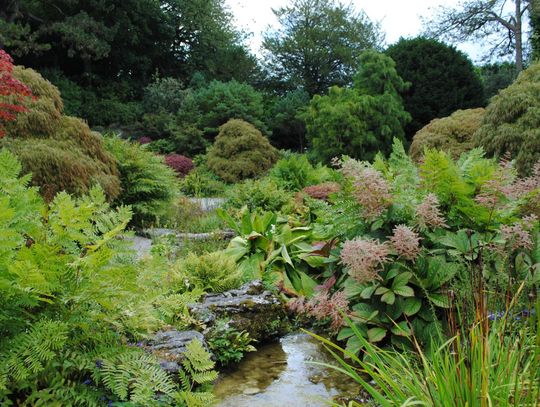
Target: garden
[196,226]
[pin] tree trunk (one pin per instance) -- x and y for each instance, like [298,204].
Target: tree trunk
[519,37]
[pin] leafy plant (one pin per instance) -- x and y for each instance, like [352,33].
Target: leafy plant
[294,172]
[257,195]
[179,163]
[228,344]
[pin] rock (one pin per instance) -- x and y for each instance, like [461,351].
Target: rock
[169,347]
[250,308]
[251,391]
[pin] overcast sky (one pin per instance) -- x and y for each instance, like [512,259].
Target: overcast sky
[398,18]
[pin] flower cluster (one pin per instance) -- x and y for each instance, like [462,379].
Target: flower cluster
[405,242]
[523,186]
[518,235]
[323,305]
[428,213]
[363,258]
[370,188]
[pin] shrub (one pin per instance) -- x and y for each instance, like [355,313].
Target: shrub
[240,151]
[163,95]
[294,172]
[262,195]
[60,151]
[452,134]
[228,344]
[288,130]
[181,164]
[512,121]
[149,186]
[212,272]
[442,79]
[201,182]
[322,191]
[144,140]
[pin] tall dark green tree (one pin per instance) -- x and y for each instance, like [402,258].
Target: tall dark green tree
[442,79]
[535,29]
[361,121]
[288,129]
[317,44]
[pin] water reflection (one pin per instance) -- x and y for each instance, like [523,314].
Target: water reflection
[278,375]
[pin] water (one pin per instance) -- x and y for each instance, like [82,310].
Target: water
[277,375]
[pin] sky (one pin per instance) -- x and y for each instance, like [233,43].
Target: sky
[398,18]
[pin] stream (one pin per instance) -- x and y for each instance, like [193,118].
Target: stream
[278,375]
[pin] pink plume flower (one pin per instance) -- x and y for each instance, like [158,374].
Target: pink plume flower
[406,242]
[428,213]
[364,258]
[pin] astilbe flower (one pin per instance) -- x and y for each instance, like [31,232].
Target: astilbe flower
[323,305]
[428,213]
[405,242]
[363,258]
[518,235]
[523,186]
[371,190]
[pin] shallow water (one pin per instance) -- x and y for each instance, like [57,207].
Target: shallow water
[278,375]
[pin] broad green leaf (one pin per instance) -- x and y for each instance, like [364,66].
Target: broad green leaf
[388,297]
[368,292]
[401,280]
[381,290]
[401,329]
[411,306]
[376,334]
[404,291]
[440,300]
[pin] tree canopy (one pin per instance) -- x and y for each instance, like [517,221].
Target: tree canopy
[317,44]
[442,79]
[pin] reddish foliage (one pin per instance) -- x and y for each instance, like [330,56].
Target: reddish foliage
[10,86]
[181,164]
[322,191]
[144,140]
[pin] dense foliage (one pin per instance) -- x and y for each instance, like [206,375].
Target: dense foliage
[73,302]
[240,152]
[61,152]
[453,134]
[512,121]
[148,184]
[362,120]
[442,79]
[181,164]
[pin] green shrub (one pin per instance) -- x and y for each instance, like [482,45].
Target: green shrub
[227,344]
[60,151]
[512,121]
[211,272]
[240,152]
[288,130]
[201,182]
[262,194]
[452,134]
[149,186]
[294,172]
[163,95]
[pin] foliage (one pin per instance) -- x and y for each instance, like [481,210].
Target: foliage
[512,121]
[60,151]
[212,272]
[317,45]
[288,130]
[360,121]
[218,102]
[257,195]
[496,76]
[498,27]
[535,26]
[240,152]
[442,79]
[164,94]
[453,134]
[12,91]
[294,172]
[201,182]
[474,370]
[179,163]
[72,301]
[228,344]
[322,191]
[148,184]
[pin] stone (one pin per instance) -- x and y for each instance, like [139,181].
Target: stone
[169,347]
[250,308]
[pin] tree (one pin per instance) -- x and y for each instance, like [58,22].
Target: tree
[489,21]
[512,121]
[12,92]
[317,45]
[442,79]
[288,130]
[361,121]
[535,26]
[496,76]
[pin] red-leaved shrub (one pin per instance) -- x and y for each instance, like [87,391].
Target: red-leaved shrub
[322,191]
[144,140]
[181,164]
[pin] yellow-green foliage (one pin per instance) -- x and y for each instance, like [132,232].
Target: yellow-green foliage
[512,121]
[240,152]
[452,134]
[215,272]
[61,152]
